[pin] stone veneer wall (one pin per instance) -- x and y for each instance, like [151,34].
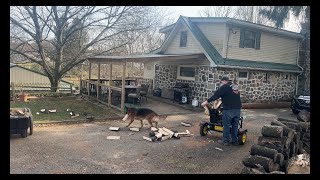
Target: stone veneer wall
[258,87]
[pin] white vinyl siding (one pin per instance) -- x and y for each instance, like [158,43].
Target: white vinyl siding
[273,48]
[192,45]
[215,33]
[22,76]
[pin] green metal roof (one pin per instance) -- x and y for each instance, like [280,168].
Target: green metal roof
[259,64]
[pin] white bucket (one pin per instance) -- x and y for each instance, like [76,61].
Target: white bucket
[195,102]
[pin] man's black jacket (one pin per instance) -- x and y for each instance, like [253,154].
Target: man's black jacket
[230,96]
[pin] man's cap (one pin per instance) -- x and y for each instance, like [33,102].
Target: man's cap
[224,78]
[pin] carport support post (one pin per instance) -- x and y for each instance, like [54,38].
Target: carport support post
[123,87]
[110,84]
[13,92]
[98,85]
[89,78]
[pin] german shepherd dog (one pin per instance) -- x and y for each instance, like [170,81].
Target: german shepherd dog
[143,114]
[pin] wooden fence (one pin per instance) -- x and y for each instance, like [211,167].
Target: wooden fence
[35,88]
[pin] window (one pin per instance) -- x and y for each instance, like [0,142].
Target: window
[249,39]
[243,75]
[183,39]
[186,72]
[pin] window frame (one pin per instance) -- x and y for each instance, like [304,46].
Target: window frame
[243,78]
[184,77]
[246,38]
[186,39]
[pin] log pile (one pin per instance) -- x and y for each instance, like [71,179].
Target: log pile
[281,141]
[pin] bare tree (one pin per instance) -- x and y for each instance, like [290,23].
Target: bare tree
[217,11]
[58,38]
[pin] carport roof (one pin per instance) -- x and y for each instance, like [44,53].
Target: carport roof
[144,57]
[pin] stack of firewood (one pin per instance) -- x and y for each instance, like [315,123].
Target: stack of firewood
[280,141]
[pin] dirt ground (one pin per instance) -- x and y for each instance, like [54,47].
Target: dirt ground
[84,148]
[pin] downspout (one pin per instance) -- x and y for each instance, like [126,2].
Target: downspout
[299,67]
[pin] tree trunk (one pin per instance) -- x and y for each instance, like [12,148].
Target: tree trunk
[272,131]
[54,84]
[271,143]
[252,160]
[264,151]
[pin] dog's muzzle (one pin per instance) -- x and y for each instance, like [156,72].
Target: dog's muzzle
[125,117]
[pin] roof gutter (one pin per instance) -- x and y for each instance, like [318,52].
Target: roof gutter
[249,68]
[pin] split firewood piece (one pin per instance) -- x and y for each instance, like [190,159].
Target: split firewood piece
[113,137]
[164,138]
[148,139]
[52,111]
[134,129]
[165,133]
[186,124]
[114,128]
[169,131]
[154,129]
[272,131]
[76,115]
[158,135]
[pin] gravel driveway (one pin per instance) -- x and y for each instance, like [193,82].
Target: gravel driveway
[85,149]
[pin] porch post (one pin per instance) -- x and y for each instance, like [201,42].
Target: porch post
[89,78]
[98,84]
[110,84]
[123,87]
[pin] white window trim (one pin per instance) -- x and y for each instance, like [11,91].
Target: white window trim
[182,77]
[243,78]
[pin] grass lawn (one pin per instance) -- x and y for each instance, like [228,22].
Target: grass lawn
[61,105]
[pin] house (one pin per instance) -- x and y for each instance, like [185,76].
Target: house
[262,60]
[23,76]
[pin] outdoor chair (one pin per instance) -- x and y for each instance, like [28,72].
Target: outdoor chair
[136,97]
[144,90]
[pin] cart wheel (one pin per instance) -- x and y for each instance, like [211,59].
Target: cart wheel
[203,130]
[242,138]
[31,126]
[24,133]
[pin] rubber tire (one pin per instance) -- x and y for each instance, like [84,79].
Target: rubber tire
[204,130]
[240,138]
[24,133]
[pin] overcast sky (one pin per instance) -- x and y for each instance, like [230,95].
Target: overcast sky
[193,11]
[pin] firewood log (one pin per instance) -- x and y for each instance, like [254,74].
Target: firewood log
[286,154]
[286,130]
[248,170]
[272,143]
[279,159]
[272,131]
[304,116]
[292,149]
[264,151]
[252,160]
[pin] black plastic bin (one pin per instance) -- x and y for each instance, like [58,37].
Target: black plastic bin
[21,124]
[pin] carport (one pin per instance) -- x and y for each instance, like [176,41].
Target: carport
[122,61]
